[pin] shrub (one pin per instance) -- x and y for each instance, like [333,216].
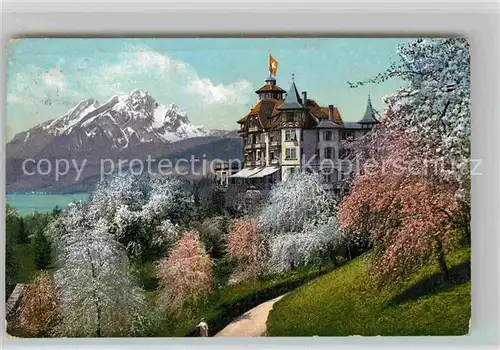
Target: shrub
[39,307]
[232,308]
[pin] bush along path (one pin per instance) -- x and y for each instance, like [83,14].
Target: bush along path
[233,308]
[252,323]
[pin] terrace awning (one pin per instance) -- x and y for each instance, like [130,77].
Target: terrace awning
[246,172]
[265,172]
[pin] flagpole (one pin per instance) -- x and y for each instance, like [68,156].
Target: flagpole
[270,68]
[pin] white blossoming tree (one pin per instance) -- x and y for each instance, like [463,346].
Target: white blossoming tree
[313,244]
[97,292]
[434,100]
[143,212]
[299,221]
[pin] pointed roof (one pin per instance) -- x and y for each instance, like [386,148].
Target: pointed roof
[369,117]
[327,124]
[270,86]
[264,110]
[292,100]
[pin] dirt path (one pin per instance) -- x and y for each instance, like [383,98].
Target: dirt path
[252,323]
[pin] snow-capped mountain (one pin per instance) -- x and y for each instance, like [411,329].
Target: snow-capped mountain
[124,120]
[132,126]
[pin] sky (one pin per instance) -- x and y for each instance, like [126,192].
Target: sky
[213,80]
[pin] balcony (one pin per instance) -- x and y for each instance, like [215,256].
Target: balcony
[275,143]
[253,129]
[255,145]
[254,163]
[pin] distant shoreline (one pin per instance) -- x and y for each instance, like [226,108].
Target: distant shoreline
[43,202]
[44,193]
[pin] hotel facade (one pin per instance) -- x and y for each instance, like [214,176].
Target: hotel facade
[286,131]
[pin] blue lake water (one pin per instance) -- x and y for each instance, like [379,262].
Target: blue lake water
[28,203]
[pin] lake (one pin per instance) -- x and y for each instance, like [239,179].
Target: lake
[28,203]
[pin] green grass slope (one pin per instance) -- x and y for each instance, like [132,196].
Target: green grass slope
[344,303]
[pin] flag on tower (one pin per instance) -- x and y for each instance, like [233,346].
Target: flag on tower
[273,65]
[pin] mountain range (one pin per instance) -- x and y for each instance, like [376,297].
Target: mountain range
[126,127]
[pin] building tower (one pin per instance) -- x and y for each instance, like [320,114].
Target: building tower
[368,120]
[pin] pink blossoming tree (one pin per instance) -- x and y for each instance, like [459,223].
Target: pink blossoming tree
[402,200]
[246,246]
[185,275]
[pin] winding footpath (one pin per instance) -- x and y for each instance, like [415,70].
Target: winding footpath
[252,323]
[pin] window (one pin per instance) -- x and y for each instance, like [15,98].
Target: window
[274,137]
[271,155]
[290,135]
[328,135]
[290,153]
[328,152]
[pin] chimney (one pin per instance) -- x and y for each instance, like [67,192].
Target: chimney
[304,98]
[330,113]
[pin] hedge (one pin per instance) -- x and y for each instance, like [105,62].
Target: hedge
[228,311]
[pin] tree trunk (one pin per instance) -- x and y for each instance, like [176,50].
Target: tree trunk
[97,303]
[440,258]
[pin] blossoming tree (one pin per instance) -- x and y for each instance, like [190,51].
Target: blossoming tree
[434,101]
[245,245]
[96,288]
[143,212]
[185,275]
[299,221]
[402,201]
[39,307]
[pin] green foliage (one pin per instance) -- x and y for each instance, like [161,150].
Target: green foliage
[22,233]
[37,222]
[146,277]
[213,235]
[27,269]
[42,251]
[223,268]
[11,261]
[345,303]
[11,265]
[208,199]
